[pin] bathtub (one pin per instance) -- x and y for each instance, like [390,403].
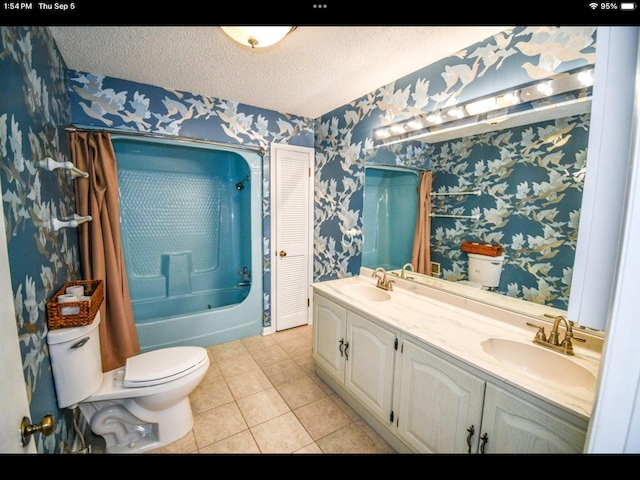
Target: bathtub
[191,228]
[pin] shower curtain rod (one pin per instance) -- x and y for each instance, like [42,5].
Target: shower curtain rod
[396,167]
[475,217]
[113,131]
[455,194]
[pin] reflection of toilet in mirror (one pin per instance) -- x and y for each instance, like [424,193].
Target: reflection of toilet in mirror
[484,271]
[140,406]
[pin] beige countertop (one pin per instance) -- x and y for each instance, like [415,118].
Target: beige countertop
[457,327]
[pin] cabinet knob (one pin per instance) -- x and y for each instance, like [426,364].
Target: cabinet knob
[283,253]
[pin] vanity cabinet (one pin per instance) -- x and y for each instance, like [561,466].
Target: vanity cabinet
[422,401]
[357,352]
[442,408]
[513,425]
[439,405]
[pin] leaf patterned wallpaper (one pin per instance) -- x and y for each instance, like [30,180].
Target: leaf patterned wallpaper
[39,97]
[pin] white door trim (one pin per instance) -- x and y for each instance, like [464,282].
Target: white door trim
[273,242]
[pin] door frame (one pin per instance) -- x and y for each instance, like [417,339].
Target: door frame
[273,241]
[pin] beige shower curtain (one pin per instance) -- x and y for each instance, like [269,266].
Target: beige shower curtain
[101,252]
[421,254]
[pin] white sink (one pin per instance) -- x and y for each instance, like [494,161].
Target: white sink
[540,363]
[362,291]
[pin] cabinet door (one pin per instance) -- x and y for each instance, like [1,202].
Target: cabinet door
[513,425]
[370,364]
[329,336]
[440,404]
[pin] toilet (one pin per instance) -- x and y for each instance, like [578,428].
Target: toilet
[484,271]
[140,406]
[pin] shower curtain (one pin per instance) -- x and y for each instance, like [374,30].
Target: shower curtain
[421,254]
[101,252]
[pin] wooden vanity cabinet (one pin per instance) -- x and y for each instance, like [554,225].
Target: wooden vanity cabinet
[421,401]
[358,353]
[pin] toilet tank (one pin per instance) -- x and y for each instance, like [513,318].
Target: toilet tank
[76,362]
[485,270]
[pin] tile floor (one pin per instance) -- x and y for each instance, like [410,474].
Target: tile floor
[261,395]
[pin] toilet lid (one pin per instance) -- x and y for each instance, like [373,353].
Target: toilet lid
[162,366]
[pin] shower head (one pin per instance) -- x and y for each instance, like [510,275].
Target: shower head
[240,184]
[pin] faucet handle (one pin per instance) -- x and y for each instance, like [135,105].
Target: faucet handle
[540,335]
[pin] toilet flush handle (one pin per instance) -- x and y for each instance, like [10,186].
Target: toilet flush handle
[80,343]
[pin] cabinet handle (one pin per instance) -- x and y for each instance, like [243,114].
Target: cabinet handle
[485,440]
[346,349]
[341,346]
[471,431]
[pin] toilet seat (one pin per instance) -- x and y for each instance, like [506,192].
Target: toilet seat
[162,366]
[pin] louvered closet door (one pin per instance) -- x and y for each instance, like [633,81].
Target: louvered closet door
[291,245]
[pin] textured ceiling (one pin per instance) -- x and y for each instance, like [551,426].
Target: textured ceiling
[313,71]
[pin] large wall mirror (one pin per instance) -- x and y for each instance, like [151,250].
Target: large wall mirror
[525,181]
[516,183]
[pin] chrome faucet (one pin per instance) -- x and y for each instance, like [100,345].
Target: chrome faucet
[404,268]
[552,342]
[383,282]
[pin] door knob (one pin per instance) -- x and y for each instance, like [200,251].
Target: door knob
[45,427]
[283,253]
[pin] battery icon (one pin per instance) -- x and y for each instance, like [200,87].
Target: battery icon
[627,6]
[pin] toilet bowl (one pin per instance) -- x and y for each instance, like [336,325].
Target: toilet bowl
[140,406]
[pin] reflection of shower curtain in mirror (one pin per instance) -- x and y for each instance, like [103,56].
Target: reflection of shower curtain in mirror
[421,254]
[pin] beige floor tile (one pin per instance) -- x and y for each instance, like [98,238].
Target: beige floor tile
[210,395]
[350,439]
[239,364]
[248,383]
[310,449]
[242,442]
[217,424]
[283,434]
[269,355]
[186,444]
[322,417]
[287,335]
[212,372]
[346,408]
[258,342]
[300,392]
[380,442]
[283,371]
[297,347]
[262,406]
[224,351]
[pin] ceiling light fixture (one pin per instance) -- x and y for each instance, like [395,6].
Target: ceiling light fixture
[257,37]
[567,90]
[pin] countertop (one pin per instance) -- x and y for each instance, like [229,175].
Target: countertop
[457,328]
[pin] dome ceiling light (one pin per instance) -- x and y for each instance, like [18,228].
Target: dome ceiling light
[257,37]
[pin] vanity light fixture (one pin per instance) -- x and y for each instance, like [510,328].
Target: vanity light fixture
[566,90]
[257,37]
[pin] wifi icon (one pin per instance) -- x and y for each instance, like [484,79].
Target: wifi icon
[593,5]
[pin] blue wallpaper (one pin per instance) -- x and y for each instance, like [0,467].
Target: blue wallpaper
[344,142]
[33,104]
[36,99]
[530,180]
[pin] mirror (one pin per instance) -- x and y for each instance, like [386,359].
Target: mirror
[529,176]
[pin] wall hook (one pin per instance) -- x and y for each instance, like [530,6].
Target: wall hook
[57,224]
[50,164]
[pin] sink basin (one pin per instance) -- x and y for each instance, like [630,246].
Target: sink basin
[365,292]
[539,363]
